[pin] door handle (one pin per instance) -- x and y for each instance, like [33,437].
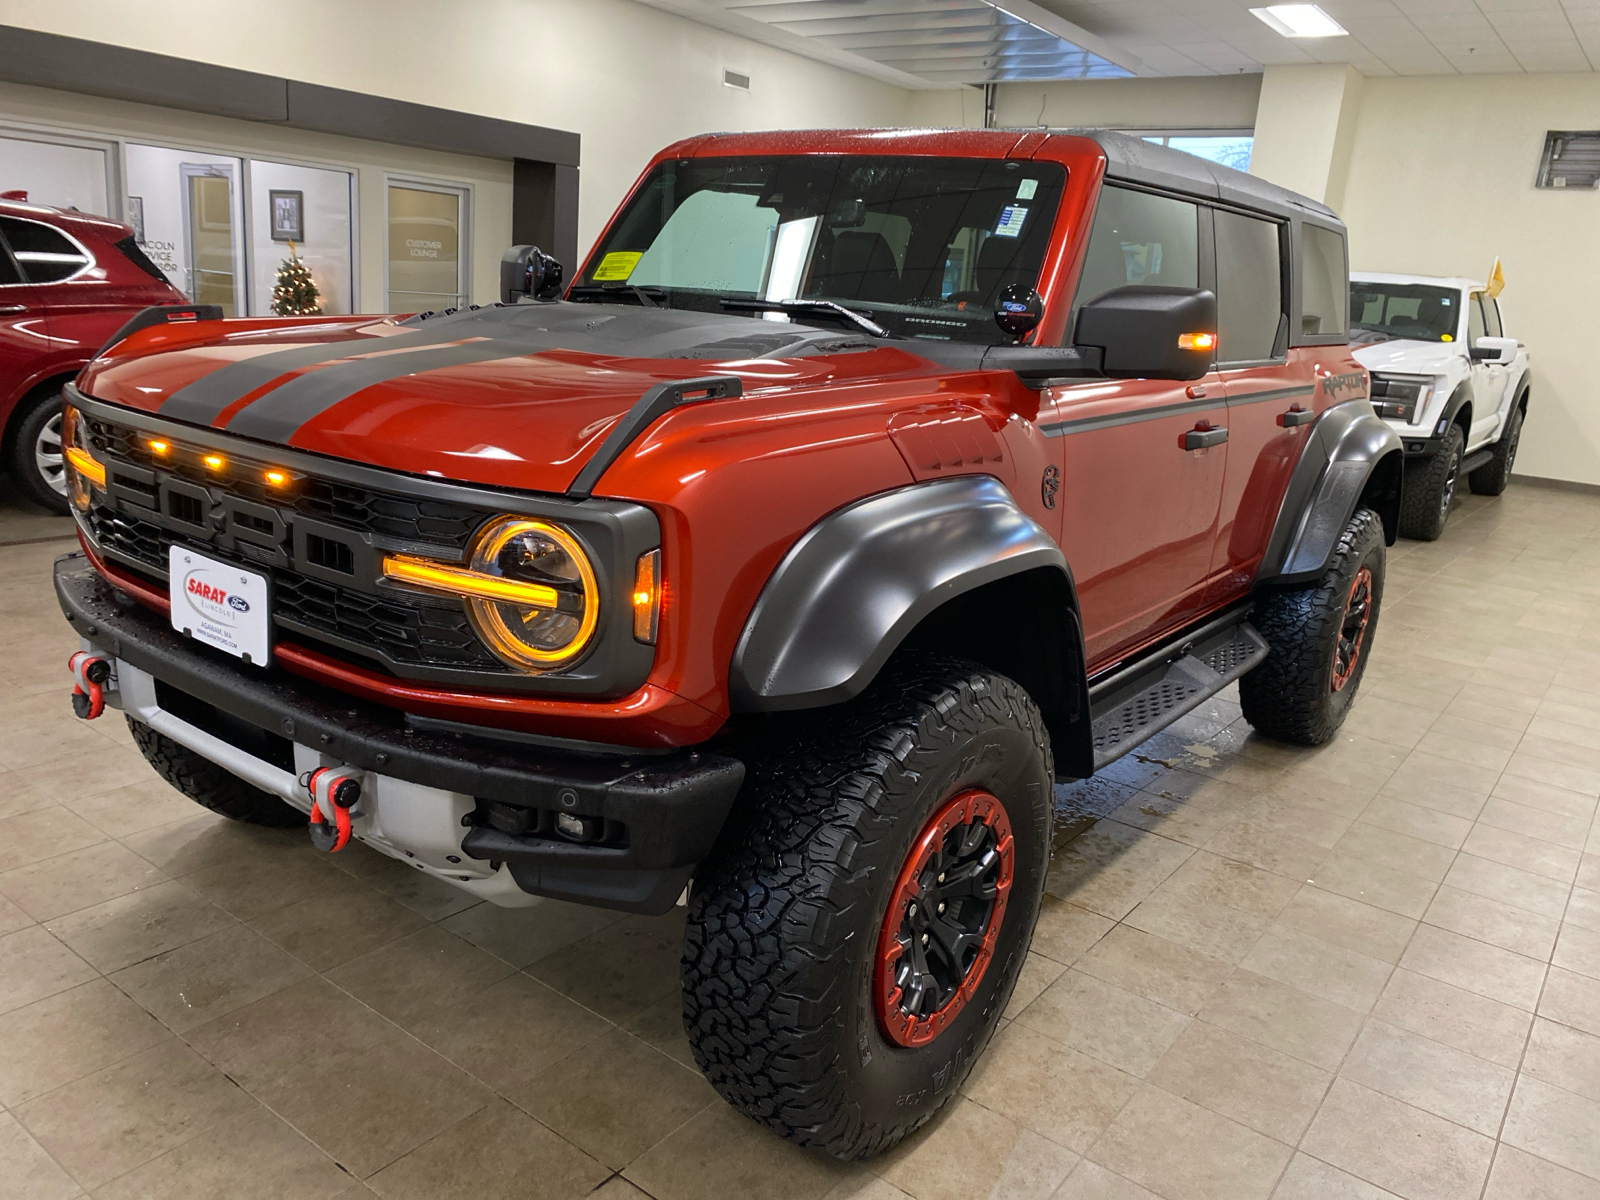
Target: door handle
[1199,439]
[1296,416]
[7,310]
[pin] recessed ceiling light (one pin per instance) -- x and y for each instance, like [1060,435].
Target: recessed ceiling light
[1300,21]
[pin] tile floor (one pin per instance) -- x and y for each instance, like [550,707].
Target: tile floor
[1365,971]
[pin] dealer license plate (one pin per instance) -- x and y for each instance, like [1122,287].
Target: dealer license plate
[219,604]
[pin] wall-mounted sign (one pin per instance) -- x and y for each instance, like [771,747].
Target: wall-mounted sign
[136,217]
[288,216]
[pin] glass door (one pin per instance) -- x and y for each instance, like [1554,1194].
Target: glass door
[426,268]
[211,236]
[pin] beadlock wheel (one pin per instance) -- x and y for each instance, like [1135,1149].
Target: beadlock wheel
[1353,629]
[944,918]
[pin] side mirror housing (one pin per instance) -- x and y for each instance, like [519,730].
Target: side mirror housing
[1494,350]
[1147,332]
[528,271]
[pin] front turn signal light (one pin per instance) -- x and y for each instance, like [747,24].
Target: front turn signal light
[82,468]
[1197,341]
[647,597]
[530,591]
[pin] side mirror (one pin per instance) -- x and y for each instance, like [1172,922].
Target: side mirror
[1147,332]
[528,271]
[1494,350]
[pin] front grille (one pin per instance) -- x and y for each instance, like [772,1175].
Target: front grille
[388,514]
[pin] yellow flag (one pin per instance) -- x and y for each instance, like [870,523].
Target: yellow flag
[1496,280]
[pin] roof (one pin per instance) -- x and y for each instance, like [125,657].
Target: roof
[1138,161]
[1450,281]
[70,218]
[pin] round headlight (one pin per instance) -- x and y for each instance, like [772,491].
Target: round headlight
[535,637]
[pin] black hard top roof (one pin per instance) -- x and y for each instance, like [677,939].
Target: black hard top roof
[1138,161]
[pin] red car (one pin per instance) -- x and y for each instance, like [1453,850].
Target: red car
[68,281]
[860,487]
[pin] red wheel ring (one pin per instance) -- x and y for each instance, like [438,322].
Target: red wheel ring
[1352,629]
[944,918]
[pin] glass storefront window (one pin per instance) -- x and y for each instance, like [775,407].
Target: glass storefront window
[425,230]
[188,217]
[55,173]
[311,207]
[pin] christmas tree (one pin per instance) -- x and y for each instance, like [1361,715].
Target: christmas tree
[294,294]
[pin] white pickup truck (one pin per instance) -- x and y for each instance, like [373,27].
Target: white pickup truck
[1447,379]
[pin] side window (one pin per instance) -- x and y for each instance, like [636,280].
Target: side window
[1324,282]
[1140,238]
[1249,287]
[43,253]
[8,268]
[1475,319]
[1491,316]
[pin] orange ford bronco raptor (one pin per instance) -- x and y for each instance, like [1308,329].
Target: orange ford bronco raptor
[860,487]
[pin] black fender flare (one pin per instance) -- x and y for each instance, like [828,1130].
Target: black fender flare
[864,577]
[1459,399]
[1352,453]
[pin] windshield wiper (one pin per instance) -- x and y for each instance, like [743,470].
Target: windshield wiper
[810,308]
[646,296]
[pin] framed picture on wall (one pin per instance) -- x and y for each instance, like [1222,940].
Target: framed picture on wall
[136,217]
[288,216]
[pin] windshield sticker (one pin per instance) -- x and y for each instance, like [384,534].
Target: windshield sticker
[1027,188]
[1010,223]
[619,264]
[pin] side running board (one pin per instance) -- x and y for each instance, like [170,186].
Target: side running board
[1140,700]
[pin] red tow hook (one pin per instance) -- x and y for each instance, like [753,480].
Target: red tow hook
[89,674]
[334,791]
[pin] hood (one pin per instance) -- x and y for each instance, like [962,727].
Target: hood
[515,396]
[1403,356]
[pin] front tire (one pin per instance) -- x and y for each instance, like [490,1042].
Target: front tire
[36,460]
[208,785]
[1491,478]
[801,998]
[1430,490]
[1320,638]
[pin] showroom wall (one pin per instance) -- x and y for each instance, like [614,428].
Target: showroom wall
[312,163]
[579,65]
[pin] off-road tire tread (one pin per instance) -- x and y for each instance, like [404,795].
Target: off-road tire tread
[1288,697]
[209,785]
[815,794]
[1491,478]
[1420,518]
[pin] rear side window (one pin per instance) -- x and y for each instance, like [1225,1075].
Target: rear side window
[1249,287]
[1140,238]
[130,250]
[43,253]
[1324,282]
[8,269]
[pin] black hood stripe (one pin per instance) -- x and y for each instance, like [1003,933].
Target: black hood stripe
[277,415]
[202,401]
[499,332]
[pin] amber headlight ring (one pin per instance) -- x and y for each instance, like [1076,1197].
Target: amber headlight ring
[83,469]
[530,591]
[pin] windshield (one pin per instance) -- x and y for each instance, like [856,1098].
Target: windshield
[1384,311]
[920,245]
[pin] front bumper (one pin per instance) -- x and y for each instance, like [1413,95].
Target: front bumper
[447,804]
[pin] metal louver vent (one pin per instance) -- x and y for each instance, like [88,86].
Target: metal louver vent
[1571,159]
[736,79]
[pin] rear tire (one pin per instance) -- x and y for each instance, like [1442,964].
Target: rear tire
[1319,641]
[1491,478]
[208,785]
[36,462]
[782,996]
[1428,491]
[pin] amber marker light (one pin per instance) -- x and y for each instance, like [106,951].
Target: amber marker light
[459,581]
[215,461]
[647,597]
[1197,341]
[276,478]
[157,446]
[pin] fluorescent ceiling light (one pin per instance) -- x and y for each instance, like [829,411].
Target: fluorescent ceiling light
[1300,21]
